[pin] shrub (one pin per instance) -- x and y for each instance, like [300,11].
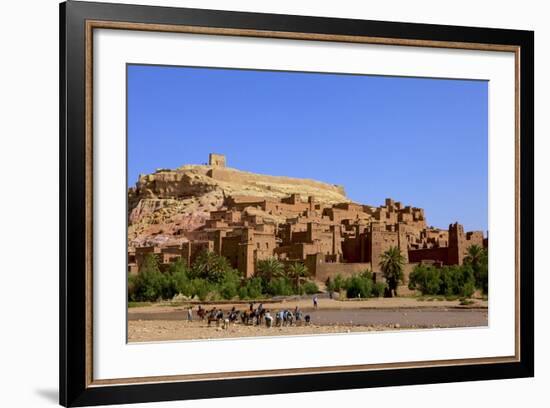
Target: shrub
[468,289]
[449,281]
[310,288]
[280,287]
[425,278]
[329,284]
[254,288]
[483,279]
[378,289]
[478,259]
[358,286]
[229,286]
[338,283]
[242,292]
[149,284]
[366,274]
[201,288]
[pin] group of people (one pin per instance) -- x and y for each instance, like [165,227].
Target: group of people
[287,318]
[253,316]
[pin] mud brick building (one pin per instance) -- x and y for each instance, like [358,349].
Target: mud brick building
[338,238]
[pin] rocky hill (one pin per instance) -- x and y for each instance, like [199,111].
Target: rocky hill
[167,201]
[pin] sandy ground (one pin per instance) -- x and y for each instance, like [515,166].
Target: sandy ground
[166,330]
[163,322]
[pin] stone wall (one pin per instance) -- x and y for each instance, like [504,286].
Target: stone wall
[241,177]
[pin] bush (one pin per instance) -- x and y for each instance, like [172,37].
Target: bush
[253,288]
[336,284]
[358,286]
[468,289]
[310,288]
[242,292]
[229,286]
[149,284]
[280,287]
[425,278]
[367,274]
[329,285]
[378,289]
[449,281]
[201,288]
[483,279]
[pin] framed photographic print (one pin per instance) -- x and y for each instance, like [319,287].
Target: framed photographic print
[256,203]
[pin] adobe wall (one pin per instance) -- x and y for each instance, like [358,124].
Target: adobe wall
[380,242]
[433,254]
[229,175]
[323,270]
[353,249]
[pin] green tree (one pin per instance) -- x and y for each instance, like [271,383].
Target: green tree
[150,283]
[478,258]
[253,288]
[310,288]
[201,288]
[474,256]
[391,264]
[280,287]
[230,284]
[269,269]
[210,266]
[425,278]
[338,283]
[149,264]
[178,274]
[359,286]
[296,272]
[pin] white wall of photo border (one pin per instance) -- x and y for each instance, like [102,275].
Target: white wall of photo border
[29,162]
[114,358]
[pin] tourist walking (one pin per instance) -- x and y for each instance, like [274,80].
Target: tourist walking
[315,302]
[190,314]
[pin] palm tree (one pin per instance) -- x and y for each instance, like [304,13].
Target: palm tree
[391,264]
[475,256]
[269,268]
[295,272]
[211,266]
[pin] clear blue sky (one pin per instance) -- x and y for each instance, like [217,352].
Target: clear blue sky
[420,141]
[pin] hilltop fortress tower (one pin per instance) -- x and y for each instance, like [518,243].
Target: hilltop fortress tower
[216,160]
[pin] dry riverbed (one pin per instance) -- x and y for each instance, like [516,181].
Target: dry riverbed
[162,322]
